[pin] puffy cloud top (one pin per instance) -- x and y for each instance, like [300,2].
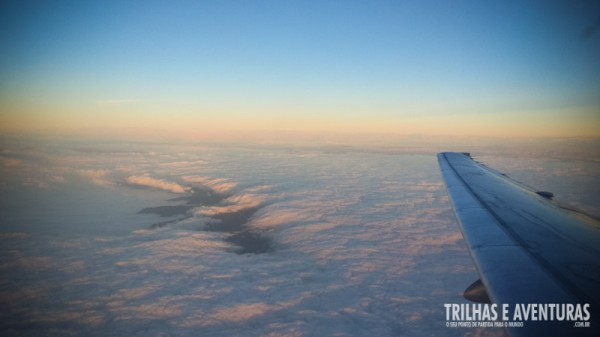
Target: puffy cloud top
[160,184]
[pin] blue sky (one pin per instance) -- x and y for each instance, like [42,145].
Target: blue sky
[395,66]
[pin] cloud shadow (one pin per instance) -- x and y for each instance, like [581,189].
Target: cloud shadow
[233,223]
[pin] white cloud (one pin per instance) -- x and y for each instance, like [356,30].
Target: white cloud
[183,164]
[275,218]
[14,235]
[219,185]
[10,162]
[159,184]
[136,293]
[238,313]
[61,316]
[234,204]
[185,244]
[30,263]
[98,177]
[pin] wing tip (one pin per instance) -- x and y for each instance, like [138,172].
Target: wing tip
[545,194]
[467,154]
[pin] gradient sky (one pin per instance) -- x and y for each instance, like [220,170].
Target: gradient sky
[516,68]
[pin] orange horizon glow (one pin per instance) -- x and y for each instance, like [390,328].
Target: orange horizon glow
[204,129]
[190,124]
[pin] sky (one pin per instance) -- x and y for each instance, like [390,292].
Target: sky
[209,68]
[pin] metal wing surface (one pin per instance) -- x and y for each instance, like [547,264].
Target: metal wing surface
[526,247]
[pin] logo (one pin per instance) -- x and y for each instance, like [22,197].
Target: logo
[472,315]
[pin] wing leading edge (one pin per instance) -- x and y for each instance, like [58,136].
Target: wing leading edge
[526,248]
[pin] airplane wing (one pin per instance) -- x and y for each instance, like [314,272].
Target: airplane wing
[526,247]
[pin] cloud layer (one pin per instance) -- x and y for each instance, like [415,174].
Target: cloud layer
[362,244]
[159,184]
